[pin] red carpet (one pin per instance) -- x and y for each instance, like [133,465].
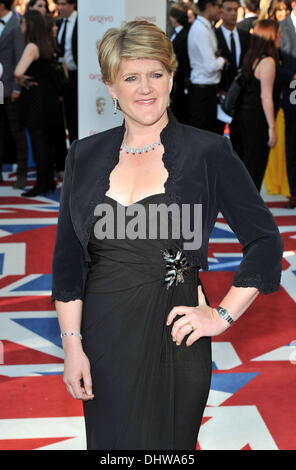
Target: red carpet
[252,399]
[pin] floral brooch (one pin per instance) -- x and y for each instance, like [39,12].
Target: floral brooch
[176,265]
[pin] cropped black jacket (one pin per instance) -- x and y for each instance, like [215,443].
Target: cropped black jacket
[202,169]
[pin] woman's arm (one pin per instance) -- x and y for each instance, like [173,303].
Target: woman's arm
[260,269]
[31,53]
[265,72]
[68,270]
[76,364]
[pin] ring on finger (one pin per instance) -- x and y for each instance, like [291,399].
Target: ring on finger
[191,326]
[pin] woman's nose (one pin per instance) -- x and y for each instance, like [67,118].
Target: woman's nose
[144,86]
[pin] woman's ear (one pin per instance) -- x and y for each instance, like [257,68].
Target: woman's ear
[171,81]
[110,89]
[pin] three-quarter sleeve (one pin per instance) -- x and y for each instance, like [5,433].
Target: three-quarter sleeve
[68,263]
[252,222]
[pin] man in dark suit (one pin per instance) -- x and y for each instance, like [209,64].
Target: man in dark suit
[233,45]
[252,10]
[67,41]
[11,49]
[179,94]
[288,75]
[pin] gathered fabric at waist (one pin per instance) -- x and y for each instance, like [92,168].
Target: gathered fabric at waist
[114,271]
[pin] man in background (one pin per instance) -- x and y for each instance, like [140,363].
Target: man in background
[206,66]
[232,44]
[67,41]
[252,10]
[11,49]
[179,95]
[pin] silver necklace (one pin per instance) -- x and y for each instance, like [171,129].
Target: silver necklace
[139,150]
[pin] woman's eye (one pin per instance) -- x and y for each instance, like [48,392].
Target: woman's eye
[157,75]
[130,79]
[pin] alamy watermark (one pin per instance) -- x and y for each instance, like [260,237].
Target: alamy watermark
[184,223]
[293,93]
[1,92]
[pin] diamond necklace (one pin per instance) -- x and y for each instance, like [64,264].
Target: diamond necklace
[139,150]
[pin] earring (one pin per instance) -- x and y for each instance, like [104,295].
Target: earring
[114,105]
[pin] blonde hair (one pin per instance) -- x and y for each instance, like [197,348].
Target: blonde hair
[134,40]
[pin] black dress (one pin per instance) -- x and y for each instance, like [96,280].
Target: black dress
[41,114]
[254,126]
[40,107]
[149,392]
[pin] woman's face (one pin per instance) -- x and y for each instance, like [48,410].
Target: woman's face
[40,5]
[191,17]
[281,12]
[142,88]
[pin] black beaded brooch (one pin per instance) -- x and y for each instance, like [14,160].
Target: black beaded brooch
[176,265]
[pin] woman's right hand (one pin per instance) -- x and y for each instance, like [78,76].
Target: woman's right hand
[77,367]
[272,137]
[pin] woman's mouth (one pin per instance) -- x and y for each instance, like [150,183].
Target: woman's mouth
[146,102]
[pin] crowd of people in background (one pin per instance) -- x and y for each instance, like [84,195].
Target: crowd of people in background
[228,41]
[38,53]
[214,41]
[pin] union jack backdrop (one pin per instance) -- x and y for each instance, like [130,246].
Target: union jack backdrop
[252,398]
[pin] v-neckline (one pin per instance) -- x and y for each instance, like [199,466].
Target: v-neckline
[136,202]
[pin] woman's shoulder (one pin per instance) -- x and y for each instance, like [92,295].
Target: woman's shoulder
[202,139]
[33,49]
[264,61]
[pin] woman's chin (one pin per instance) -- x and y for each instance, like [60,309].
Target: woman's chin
[148,117]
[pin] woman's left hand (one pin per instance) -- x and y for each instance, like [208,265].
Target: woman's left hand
[26,81]
[204,319]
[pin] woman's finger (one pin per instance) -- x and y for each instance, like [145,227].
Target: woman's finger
[195,335]
[70,390]
[87,382]
[179,325]
[201,296]
[177,310]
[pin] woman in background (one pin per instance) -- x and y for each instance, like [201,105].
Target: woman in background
[279,10]
[39,5]
[260,98]
[276,178]
[59,136]
[39,99]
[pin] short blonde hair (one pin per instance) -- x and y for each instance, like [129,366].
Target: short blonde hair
[134,40]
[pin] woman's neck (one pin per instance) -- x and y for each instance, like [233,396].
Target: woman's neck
[138,135]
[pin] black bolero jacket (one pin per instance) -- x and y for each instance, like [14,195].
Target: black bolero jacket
[202,169]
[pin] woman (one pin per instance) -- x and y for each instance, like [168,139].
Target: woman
[39,102]
[39,5]
[279,10]
[260,98]
[58,137]
[276,178]
[192,13]
[145,353]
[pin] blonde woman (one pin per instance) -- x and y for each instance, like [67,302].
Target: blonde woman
[136,325]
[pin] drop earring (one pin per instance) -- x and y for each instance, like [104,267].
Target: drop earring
[114,106]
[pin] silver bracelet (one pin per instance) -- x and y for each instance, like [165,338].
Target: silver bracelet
[224,314]
[70,333]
